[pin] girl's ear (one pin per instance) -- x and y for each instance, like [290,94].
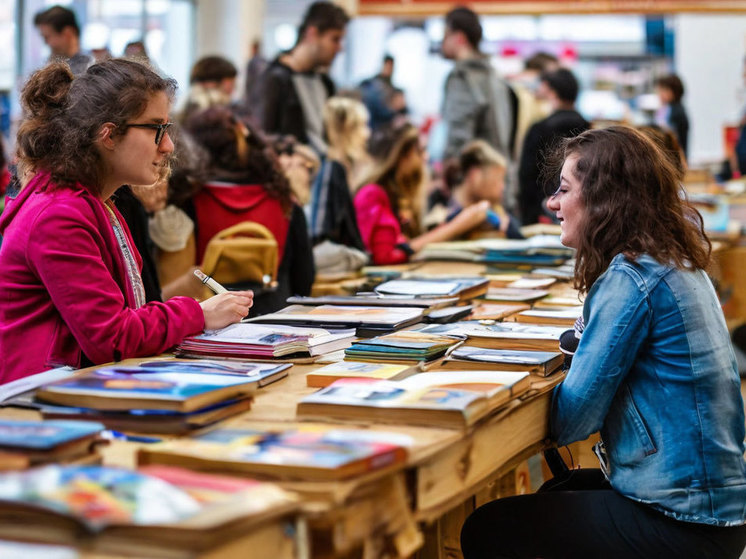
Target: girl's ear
[105,135]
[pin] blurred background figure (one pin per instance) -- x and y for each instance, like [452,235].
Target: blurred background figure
[560,90]
[672,114]
[59,28]
[383,101]
[299,163]
[479,175]
[295,85]
[255,68]
[135,50]
[212,83]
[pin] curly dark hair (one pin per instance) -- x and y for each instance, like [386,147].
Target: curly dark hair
[634,204]
[63,116]
[239,153]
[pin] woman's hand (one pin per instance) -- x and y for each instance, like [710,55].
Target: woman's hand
[226,308]
[472,216]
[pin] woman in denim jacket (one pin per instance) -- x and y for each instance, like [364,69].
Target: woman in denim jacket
[653,371]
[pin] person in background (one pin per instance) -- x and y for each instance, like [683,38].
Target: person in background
[135,50]
[299,163]
[331,213]
[477,103]
[245,183]
[654,371]
[389,204]
[68,266]
[479,174]
[255,68]
[383,101]
[294,86]
[59,28]
[212,83]
[672,114]
[560,89]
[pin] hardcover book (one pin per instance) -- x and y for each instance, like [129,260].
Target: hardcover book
[509,294]
[408,345]
[557,316]
[503,335]
[451,399]
[305,452]
[464,288]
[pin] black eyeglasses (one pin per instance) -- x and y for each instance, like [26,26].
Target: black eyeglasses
[159,128]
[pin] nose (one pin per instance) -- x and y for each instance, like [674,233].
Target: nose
[553,203]
[166,145]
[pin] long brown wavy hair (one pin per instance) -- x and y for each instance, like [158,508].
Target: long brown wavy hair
[63,116]
[634,204]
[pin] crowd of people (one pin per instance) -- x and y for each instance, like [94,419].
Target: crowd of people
[118,198]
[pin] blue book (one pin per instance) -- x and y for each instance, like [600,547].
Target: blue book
[44,435]
[131,387]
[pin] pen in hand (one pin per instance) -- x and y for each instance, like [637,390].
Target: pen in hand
[214,286]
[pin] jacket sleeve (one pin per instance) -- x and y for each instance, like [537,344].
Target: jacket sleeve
[271,102]
[73,270]
[617,323]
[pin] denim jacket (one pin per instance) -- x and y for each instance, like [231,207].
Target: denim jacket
[655,373]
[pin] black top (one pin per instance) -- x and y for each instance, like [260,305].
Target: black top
[541,137]
[679,123]
[282,112]
[136,217]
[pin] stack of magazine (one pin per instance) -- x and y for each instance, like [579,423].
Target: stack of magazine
[408,347]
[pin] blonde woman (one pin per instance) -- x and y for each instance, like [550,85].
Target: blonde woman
[331,215]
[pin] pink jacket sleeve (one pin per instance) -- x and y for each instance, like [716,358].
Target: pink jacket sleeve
[65,250]
[379,227]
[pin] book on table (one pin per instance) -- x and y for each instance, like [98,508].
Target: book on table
[263,341]
[122,388]
[502,335]
[363,319]
[132,511]
[463,288]
[150,420]
[405,346]
[28,443]
[309,452]
[541,363]
[326,375]
[545,250]
[509,294]
[528,282]
[497,311]
[451,399]
[368,299]
[557,316]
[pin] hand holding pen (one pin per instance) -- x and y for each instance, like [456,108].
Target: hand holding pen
[227,307]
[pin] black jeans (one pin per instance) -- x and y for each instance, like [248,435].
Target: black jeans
[581,516]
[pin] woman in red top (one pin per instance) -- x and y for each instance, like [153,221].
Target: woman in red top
[388,206]
[69,270]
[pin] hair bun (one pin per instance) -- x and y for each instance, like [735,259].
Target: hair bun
[46,91]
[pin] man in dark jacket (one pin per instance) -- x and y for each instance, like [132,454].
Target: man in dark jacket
[560,88]
[295,88]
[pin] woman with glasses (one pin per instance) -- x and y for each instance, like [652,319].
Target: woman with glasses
[653,371]
[389,204]
[69,272]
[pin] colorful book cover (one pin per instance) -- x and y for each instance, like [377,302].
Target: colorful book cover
[261,372]
[133,382]
[510,330]
[355,369]
[44,435]
[306,446]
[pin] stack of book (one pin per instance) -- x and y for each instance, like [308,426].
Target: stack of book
[24,444]
[307,452]
[514,295]
[502,335]
[256,341]
[450,399]
[463,288]
[137,513]
[367,321]
[542,363]
[557,316]
[540,250]
[156,397]
[408,347]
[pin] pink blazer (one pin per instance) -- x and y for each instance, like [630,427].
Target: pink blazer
[379,227]
[64,289]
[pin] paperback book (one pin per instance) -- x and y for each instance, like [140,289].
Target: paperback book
[304,452]
[130,511]
[510,294]
[451,399]
[258,341]
[355,369]
[128,387]
[502,335]
[406,346]
[557,316]
[541,363]
[463,288]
